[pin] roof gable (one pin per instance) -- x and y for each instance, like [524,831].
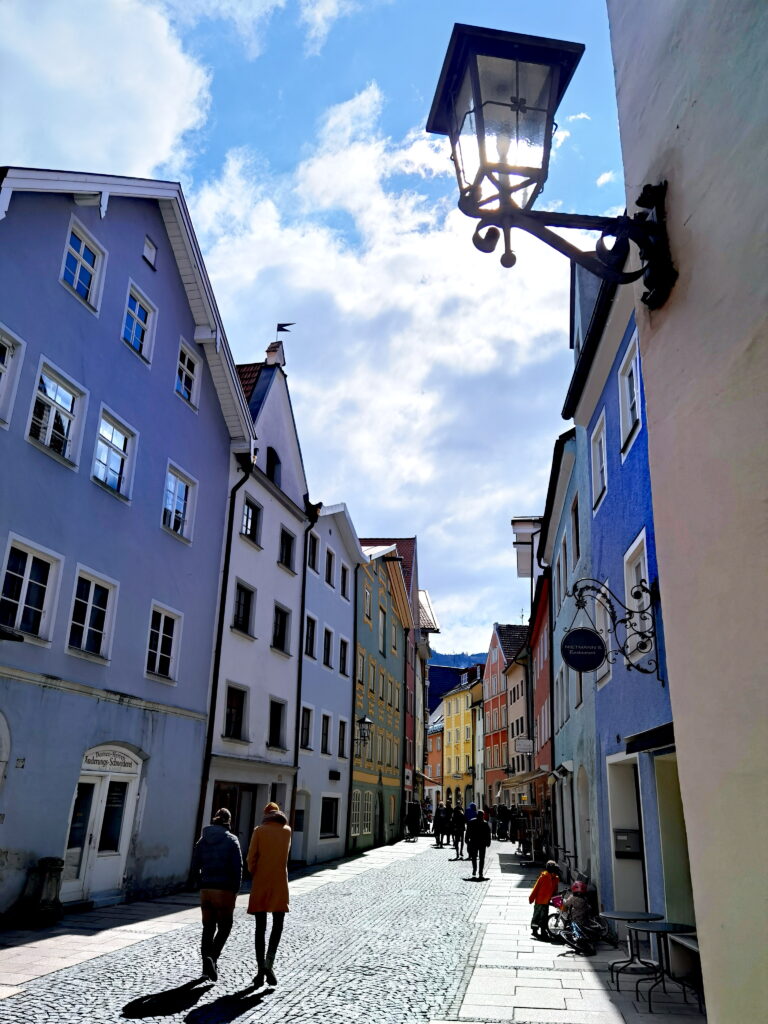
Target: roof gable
[95,190]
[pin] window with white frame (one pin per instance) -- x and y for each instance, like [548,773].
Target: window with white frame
[149,252]
[82,268]
[382,631]
[635,574]
[310,636]
[138,323]
[234,713]
[325,734]
[603,626]
[343,656]
[344,582]
[597,447]
[11,358]
[305,733]
[187,376]
[329,817]
[367,603]
[354,814]
[367,813]
[564,563]
[558,584]
[372,677]
[313,545]
[90,625]
[57,414]
[330,568]
[30,580]
[629,396]
[328,648]
[250,525]
[163,645]
[360,667]
[242,610]
[394,637]
[281,629]
[178,502]
[114,455]
[342,738]
[575,533]
[287,545]
[382,685]
[276,734]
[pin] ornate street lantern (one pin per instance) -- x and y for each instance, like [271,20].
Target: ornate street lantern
[363,734]
[496,101]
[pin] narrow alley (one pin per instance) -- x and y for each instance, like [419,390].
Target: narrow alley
[401,934]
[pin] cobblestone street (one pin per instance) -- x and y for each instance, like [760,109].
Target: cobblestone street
[399,935]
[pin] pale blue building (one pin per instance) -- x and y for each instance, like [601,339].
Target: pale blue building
[119,408]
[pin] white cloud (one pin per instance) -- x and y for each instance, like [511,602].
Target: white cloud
[319,15]
[579,117]
[84,100]
[249,17]
[606,178]
[415,359]
[559,137]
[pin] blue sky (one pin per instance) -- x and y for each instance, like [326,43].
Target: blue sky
[427,380]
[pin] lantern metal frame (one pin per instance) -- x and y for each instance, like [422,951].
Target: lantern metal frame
[646,229]
[637,624]
[363,736]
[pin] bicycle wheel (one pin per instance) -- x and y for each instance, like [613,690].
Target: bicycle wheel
[556,924]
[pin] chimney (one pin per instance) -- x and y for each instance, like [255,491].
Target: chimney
[275,354]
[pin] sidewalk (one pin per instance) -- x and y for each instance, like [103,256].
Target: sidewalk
[26,954]
[414,942]
[515,978]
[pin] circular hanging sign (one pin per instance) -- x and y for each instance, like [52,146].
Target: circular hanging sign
[583,649]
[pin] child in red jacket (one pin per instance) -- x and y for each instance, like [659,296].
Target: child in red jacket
[542,892]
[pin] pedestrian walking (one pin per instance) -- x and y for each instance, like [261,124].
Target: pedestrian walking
[494,820]
[478,841]
[268,865]
[543,890]
[458,824]
[217,862]
[471,812]
[440,824]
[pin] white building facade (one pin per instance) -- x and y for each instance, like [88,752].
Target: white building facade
[326,724]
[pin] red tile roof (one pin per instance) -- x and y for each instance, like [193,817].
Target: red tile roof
[406,549]
[249,374]
[511,638]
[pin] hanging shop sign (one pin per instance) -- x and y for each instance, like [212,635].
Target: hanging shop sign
[583,649]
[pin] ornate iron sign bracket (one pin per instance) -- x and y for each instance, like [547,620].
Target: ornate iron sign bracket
[637,625]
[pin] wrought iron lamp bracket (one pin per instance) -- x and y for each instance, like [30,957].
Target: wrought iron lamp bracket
[646,230]
[636,624]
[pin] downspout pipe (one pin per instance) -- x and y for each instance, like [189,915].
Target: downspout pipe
[550,638]
[404,737]
[353,720]
[312,513]
[245,465]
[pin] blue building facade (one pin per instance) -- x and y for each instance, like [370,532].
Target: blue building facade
[642,850]
[119,409]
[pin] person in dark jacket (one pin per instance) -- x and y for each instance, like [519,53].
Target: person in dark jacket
[458,824]
[440,825]
[478,841]
[218,861]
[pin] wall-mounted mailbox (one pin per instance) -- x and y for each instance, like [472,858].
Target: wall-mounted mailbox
[626,844]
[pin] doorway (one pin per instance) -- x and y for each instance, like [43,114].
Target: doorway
[630,889]
[100,824]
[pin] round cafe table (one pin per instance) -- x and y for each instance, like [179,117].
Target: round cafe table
[635,960]
[662,930]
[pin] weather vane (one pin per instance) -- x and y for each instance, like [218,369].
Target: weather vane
[283,329]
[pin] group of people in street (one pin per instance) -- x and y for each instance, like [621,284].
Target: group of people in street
[217,863]
[470,827]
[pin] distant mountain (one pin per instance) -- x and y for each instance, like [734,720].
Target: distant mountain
[462,660]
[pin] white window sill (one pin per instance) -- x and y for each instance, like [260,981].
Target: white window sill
[97,659]
[75,295]
[242,633]
[280,651]
[33,638]
[166,680]
[172,533]
[126,500]
[249,540]
[287,568]
[62,459]
[139,355]
[236,739]
[189,404]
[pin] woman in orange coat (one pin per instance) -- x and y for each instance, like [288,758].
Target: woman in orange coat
[268,865]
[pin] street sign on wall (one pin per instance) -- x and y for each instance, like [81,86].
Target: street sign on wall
[583,649]
[523,746]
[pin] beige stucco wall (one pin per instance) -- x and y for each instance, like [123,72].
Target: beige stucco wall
[692,97]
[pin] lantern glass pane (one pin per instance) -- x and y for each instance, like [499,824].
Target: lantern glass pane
[465,135]
[515,104]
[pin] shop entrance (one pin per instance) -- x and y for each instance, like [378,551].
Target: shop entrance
[100,824]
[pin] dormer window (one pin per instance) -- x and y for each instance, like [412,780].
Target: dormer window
[273,466]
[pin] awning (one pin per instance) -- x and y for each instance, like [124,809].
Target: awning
[651,739]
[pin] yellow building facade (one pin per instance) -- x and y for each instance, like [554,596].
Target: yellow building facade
[457,745]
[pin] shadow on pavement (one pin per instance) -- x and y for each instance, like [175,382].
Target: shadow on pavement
[164,1004]
[227,1008]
